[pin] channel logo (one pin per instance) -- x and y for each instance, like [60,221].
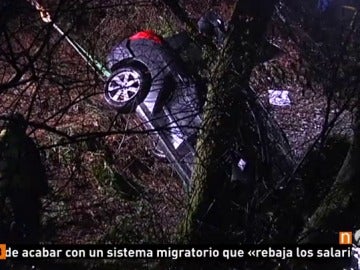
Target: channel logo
[2,251]
[345,238]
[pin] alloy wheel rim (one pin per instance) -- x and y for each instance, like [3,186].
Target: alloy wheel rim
[124,86]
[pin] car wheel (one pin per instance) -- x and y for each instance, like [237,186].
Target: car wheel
[127,87]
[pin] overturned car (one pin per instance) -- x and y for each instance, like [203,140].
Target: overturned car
[149,77]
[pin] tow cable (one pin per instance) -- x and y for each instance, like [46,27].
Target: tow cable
[89,59]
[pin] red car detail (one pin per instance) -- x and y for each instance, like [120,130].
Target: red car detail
[147,34]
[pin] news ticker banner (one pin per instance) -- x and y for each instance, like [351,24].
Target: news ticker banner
[173,252]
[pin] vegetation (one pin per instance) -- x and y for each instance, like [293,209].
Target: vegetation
[106,186]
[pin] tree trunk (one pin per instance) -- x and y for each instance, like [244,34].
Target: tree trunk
[339,208]
[208,216]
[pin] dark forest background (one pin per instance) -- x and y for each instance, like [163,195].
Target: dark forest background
[107,187]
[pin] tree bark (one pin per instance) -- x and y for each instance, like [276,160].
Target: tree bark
[340,206]
[208,216]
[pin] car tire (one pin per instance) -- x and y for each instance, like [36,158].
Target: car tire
[127,86]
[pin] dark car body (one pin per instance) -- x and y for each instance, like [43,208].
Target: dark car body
[169,99]
[172,103]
